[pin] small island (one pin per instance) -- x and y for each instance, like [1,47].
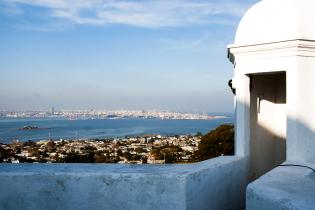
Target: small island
[29,127]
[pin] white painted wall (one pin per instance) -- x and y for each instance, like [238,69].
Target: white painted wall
[268,122]
[297,59]
[283,188]
[276,36]
[213,184]
[301,132]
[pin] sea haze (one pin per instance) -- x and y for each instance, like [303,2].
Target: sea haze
[10,129]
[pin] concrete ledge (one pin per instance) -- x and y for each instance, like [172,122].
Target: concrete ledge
[211,184]
[283,188]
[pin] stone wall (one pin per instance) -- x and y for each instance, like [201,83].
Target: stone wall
[213,184]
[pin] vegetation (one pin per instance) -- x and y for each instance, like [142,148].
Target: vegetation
[169,153]
[216,143]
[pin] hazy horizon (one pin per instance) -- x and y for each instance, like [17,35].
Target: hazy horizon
[165,55]
[113,110]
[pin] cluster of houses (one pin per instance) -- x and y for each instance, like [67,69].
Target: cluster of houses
[105,114]
[152,149]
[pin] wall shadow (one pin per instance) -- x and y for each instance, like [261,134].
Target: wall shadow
[269,134]
[267,122]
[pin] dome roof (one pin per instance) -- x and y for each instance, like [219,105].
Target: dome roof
[277,20]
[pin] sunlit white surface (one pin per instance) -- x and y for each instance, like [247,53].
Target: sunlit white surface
[277,21]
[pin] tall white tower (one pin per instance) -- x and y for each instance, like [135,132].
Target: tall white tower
[274,77]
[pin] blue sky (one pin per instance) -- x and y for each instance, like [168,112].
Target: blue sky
[117,54]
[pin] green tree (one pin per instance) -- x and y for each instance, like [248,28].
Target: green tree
[51,146]
[100,158]
[216,143]
[139,150]
[74,157]
[6,153]
[127,155]
[198,134]
[119,152]
[144,160]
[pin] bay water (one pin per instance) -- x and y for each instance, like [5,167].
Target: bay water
[10,129]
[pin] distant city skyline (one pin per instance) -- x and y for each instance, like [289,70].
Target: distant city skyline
[107,54]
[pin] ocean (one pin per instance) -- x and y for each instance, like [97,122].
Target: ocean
[100,128]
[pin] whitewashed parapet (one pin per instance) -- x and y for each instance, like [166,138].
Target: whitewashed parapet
[211,184]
